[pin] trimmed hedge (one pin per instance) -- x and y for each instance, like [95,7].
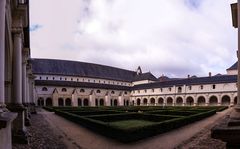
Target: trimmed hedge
[99,124]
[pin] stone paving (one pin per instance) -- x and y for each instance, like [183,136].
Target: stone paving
[57,133]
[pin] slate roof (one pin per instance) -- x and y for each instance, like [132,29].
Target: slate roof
[145,76]
[233,67]
[189,81]
[80,84]
[83,69]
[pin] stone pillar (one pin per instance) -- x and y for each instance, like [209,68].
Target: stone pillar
[2,53]
[19,130]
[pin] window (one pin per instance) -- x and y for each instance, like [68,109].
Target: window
[99,81]
[65,78]
[201,87]
[98,91]
[64,89]
[82,90]
[60,78]
[71,79]
[170,89]
[53,78]
[145,91]
[104,82]
[161,89]
[40,78]
[125,92]
[112,92]
[77,79]
[190,87]
[179,89]
[88,80]
[152,90]
[213,86]
[46,78]
[138,91]
[44,89]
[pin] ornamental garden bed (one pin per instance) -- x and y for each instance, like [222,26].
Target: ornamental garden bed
[128,124]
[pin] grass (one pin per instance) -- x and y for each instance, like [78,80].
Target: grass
[130,124]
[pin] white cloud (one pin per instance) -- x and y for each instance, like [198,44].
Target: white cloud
[176,37]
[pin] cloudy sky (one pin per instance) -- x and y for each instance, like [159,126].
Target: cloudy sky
[170,37]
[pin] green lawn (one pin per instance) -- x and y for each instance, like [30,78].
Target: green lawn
[129,124]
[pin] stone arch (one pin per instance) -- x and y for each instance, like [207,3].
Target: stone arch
[85,102]
[79,102]
[101,102]
[138,102]
[201,101]
[169,101]
[226,100]
[60,102]
[179,101]
[68,102]
[213,100]
[49,102]
[160,101]
[40,101]
[189,101]
[115,102]
[152,101]
[145,101]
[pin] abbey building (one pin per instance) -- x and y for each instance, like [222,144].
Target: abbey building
[71,83]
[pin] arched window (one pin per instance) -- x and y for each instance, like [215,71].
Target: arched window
[125,92]
[82,90]
[44,89]
[179,89]
[112,92]
[64,89]
[79,102]
[213,86]
[68,102]
[201,87]
[98,91]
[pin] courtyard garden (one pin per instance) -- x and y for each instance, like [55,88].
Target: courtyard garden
[128,124]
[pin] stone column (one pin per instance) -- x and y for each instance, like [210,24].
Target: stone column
[19,130]
[24,80]
[238,55]
[2,52]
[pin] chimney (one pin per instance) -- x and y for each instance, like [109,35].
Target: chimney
[209,74]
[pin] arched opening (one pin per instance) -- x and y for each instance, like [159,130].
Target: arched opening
[160,101]
[79,102]
[169,101]
[115,102]
[60,102]
[213,101]
[111,102]
[145,101]
[96,102]
[179,101]
[152,101]
[138,101]
[82,90]
[226,100]
[179,89]
[98,91]
[201,101]
[127,102]
[85,102]
[49,102]
[44,89]
[189,101]
[235,100]
[101,102]
[40,101]
[68,102]
[64,89]
[133,103]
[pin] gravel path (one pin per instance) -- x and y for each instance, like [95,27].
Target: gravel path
[42,136]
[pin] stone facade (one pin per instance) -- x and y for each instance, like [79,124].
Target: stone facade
[71,90]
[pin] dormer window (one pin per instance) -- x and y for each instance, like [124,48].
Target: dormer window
[125,92]
[46,78]
[190,87]
[112,92]
[82,90]
[53,78]
[145,91]
[170,89]
[152,90]
[98,91]
[201,87]
[179,89]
